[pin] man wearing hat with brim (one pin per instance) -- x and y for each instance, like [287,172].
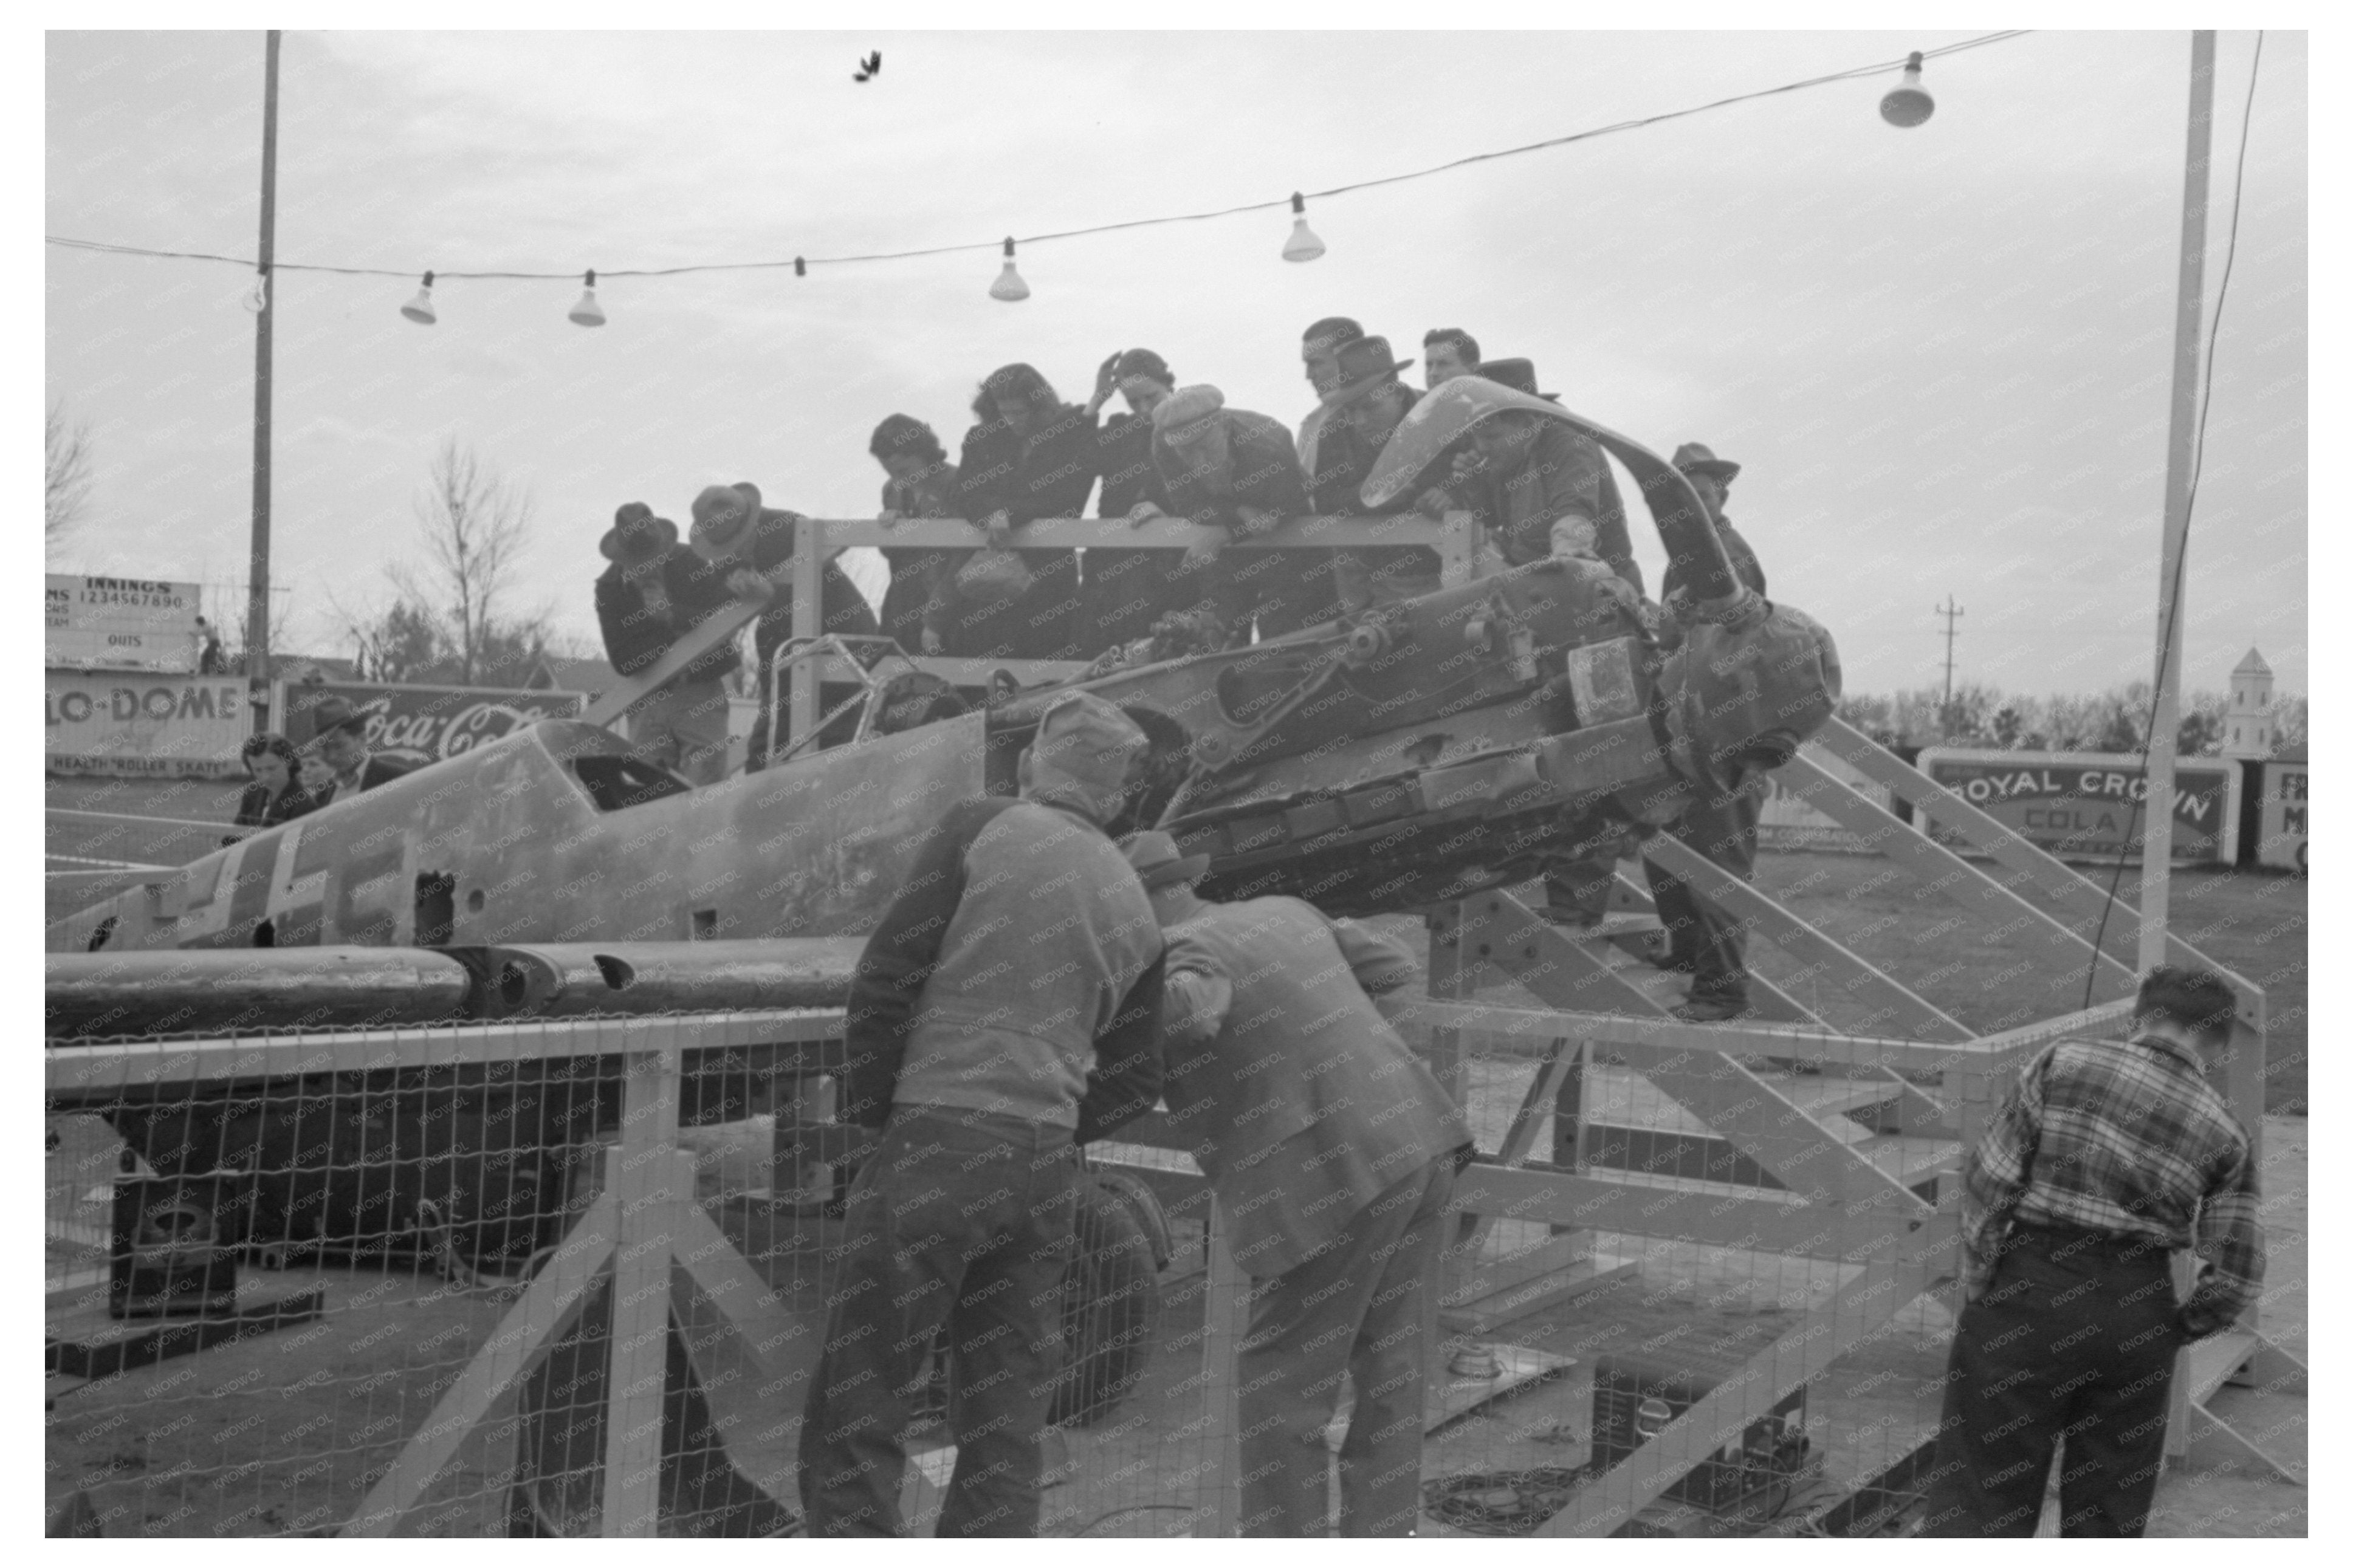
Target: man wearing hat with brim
[1612,542]
[1722,825]
[1364,413]
[1332,1152]
[753,544]
[337,762]
[1319,355]
[1006,1011]
[1233,472]
[653,592]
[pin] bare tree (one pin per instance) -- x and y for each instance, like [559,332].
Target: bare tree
[476,522]
[70,470]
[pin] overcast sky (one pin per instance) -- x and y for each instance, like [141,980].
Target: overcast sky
[1941,355]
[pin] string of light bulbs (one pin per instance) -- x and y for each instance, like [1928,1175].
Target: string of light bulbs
[1905,106]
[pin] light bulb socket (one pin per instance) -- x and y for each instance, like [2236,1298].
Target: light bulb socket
[421,309]
[1907,104]
[587,312]
[800,268]
[1298,204]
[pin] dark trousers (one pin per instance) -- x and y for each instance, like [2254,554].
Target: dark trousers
[2075,1335]
[959,1218]
[1356,1307]
[1723,828]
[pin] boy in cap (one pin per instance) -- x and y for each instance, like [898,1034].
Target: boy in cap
[736,535]
[1006,1011]
[1234,470]
[1332,1152]
[655,590]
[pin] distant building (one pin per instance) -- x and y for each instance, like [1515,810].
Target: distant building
[2250,728]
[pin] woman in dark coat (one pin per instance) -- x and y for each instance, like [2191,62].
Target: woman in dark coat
[275,795]
[923,484]
[1031,456]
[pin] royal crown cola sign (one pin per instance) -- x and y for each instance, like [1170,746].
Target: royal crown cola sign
[2086,806]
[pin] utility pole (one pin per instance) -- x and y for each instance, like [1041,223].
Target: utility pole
[1952,614]
[256,600]
[2190,297]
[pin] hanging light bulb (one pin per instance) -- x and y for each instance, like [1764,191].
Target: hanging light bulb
[1303,244]
[1907,104]
[587,313]
[1008,286]
[421,309]
[256,300]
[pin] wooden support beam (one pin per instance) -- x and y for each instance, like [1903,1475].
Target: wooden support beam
[1857,1313]
[1498,931]
[1217,1486]
[648,1194]
[1755,1219]
[1893,1007]
[542,1314]
[2073,898]
[1782,1136]
[1941,871]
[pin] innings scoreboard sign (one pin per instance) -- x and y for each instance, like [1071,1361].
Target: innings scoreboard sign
[2079,803]
[121,623]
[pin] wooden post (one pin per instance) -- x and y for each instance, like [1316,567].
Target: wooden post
[647,1196]
[2190,295]
[808,621]
[1227,1318]
[257,591]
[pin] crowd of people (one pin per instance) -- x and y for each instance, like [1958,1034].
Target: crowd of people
[1536,487]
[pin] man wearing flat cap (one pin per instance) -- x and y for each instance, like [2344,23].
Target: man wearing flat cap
[1006,1011]
[654,592]
[1332,1152]
[734,534]
[1722,825]
[1234,472]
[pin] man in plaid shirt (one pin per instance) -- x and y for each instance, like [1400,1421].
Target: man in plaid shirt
[2106,1159]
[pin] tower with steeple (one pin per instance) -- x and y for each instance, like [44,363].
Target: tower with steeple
[2249,727]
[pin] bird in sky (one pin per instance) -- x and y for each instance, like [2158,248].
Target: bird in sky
[868,69]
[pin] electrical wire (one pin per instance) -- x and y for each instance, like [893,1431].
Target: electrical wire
[111,247]
[2188,507]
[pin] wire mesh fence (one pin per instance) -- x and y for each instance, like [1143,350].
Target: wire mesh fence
[574,1277]
[555,1279]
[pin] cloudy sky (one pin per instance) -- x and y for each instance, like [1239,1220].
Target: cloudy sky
[1942,355]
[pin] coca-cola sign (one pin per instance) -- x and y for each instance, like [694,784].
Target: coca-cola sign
[420,724]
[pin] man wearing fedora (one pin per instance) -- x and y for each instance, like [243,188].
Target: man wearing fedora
[1234,471]
[1319,355]
[1332,1152]
[337,762]
[1360,417]
[1722,825]
[734,533]
[1540,489]
[654,592]
[1006,1011]
[1611,539]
